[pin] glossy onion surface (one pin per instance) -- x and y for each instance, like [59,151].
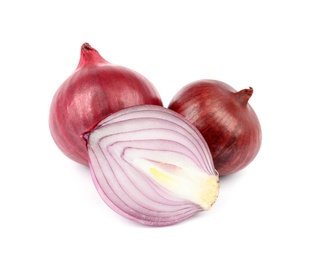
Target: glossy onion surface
[224,117]
[96,89]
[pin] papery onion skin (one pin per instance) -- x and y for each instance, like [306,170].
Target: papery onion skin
[151,166]
[224,117]
[96,89]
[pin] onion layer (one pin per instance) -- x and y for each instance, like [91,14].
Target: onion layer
[152,166]
[96,89]
[226,120]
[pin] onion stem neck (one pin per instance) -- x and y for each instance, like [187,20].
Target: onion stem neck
[89,56]
[244,95]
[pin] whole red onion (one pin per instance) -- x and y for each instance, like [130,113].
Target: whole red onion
[95,90]
[223,116]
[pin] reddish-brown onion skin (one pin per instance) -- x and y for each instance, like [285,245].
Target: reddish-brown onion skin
[224,117]
[95,90]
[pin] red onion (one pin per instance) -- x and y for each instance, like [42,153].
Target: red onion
[96,89]
[151,166]
[225,119]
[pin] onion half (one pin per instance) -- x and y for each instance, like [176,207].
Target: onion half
[152,166]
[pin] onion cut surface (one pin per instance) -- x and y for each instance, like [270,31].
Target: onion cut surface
[152,166]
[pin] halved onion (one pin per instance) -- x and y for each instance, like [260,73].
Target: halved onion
[152,166]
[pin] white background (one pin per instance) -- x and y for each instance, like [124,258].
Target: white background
[49,206]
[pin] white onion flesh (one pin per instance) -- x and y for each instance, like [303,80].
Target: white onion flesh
[152,166]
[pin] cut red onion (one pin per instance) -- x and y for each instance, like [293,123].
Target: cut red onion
[152,166]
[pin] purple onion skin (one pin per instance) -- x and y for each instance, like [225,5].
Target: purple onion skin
[226,120]
[96,89]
